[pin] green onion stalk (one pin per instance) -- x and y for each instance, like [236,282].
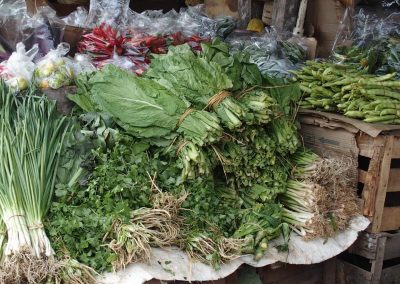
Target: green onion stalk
[31,140]
[319,200]
[3,239]
[301,208]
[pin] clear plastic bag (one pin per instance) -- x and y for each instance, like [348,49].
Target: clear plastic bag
[153,22]
[114,13]
[136,65]
[369,39]
[83,64]
[18,70]
[77,18]
[193,21]
[44,28]
[272,54]
[54,70]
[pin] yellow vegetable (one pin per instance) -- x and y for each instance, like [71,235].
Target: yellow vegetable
[255,25]
[44,84]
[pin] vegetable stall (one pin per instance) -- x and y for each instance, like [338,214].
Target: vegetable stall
[179,145]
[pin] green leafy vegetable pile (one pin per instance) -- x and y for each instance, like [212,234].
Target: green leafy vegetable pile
[196,153]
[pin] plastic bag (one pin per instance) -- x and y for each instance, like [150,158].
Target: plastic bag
[113,13]
[77,18]
[17,71]
[54,70]
[190,22]
[193,21]
[136,65]
[153,22]
[83,64]
[272,54]
[44,28]
[368,41]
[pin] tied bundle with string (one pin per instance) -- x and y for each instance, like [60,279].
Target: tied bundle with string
[31,139]
[319,200]
[158,226]
[179,72]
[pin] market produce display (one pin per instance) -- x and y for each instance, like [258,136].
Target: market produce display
[191,160]
[178,137]
[344,89]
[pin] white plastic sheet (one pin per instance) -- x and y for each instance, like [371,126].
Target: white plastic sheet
[173,264]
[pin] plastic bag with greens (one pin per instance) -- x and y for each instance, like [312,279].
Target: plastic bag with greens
[368,38]
[54,70]
[17,71]
[272,54]
[193,21]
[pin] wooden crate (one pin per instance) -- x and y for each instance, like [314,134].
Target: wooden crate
[372,259]
[380,182]
[376,151]
[281,273]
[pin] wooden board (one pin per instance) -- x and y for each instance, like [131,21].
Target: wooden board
[284,14]
[382,185]
[391,275]
[392,247]
[394,180]
[372,179]
[376,266]
[289,274]
[390,219]
[396,148]
[365,245]
[365,144]
[347,273]
[362,175]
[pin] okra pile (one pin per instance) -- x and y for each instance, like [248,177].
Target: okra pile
[344,89]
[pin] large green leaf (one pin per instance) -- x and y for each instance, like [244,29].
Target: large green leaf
[141,106]
[188,75]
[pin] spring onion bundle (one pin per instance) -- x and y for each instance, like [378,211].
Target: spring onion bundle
[319,200]
[31,138]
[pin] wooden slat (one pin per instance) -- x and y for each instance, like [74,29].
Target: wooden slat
[329,272]
[390,219]
[289,273]
[365,245]
[377,264]
[348,273]
[394,180]
[391,274]
[366,145]
[396,148]
[362,175]
[373,177]
[383,182]
[392,247]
